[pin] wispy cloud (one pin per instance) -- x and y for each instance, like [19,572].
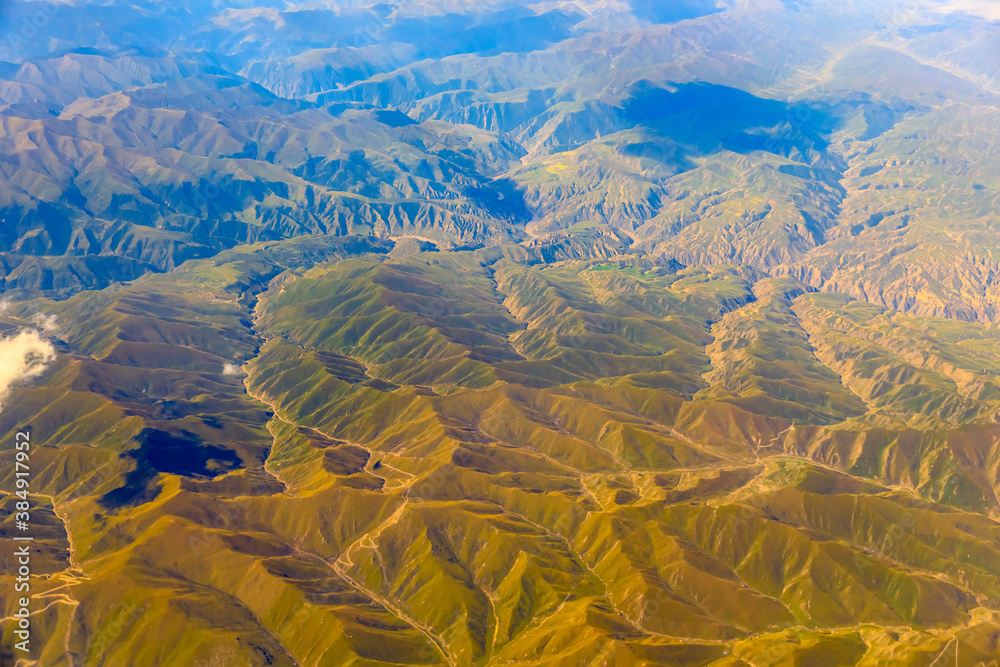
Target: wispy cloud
[230,369]
[47,322]
[22,357]
[989,9]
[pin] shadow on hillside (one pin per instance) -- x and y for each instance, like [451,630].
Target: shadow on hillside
[703,118]
[513,30]
[178,454]
[657,11]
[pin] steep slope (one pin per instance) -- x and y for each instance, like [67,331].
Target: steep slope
[480,333]
[755,135]
[462,458]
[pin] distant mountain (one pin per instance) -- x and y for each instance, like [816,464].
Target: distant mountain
[598,332]
[681,135]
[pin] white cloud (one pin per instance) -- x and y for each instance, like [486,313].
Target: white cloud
[22,357]
[48,323]
[230,369]
[989,9]
[238,15]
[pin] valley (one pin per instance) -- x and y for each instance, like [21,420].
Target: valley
[470,460]
[482,334]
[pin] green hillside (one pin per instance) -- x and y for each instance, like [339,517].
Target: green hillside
[570,334]
[467,458]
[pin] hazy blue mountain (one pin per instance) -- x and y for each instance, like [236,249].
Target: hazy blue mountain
[461,333]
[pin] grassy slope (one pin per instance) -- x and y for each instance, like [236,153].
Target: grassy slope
[451,458]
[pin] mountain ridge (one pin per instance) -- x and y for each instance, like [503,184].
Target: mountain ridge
[475,334]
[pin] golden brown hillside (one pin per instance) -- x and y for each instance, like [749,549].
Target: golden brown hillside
[469,459]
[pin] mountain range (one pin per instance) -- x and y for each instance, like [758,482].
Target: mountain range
[603,332]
